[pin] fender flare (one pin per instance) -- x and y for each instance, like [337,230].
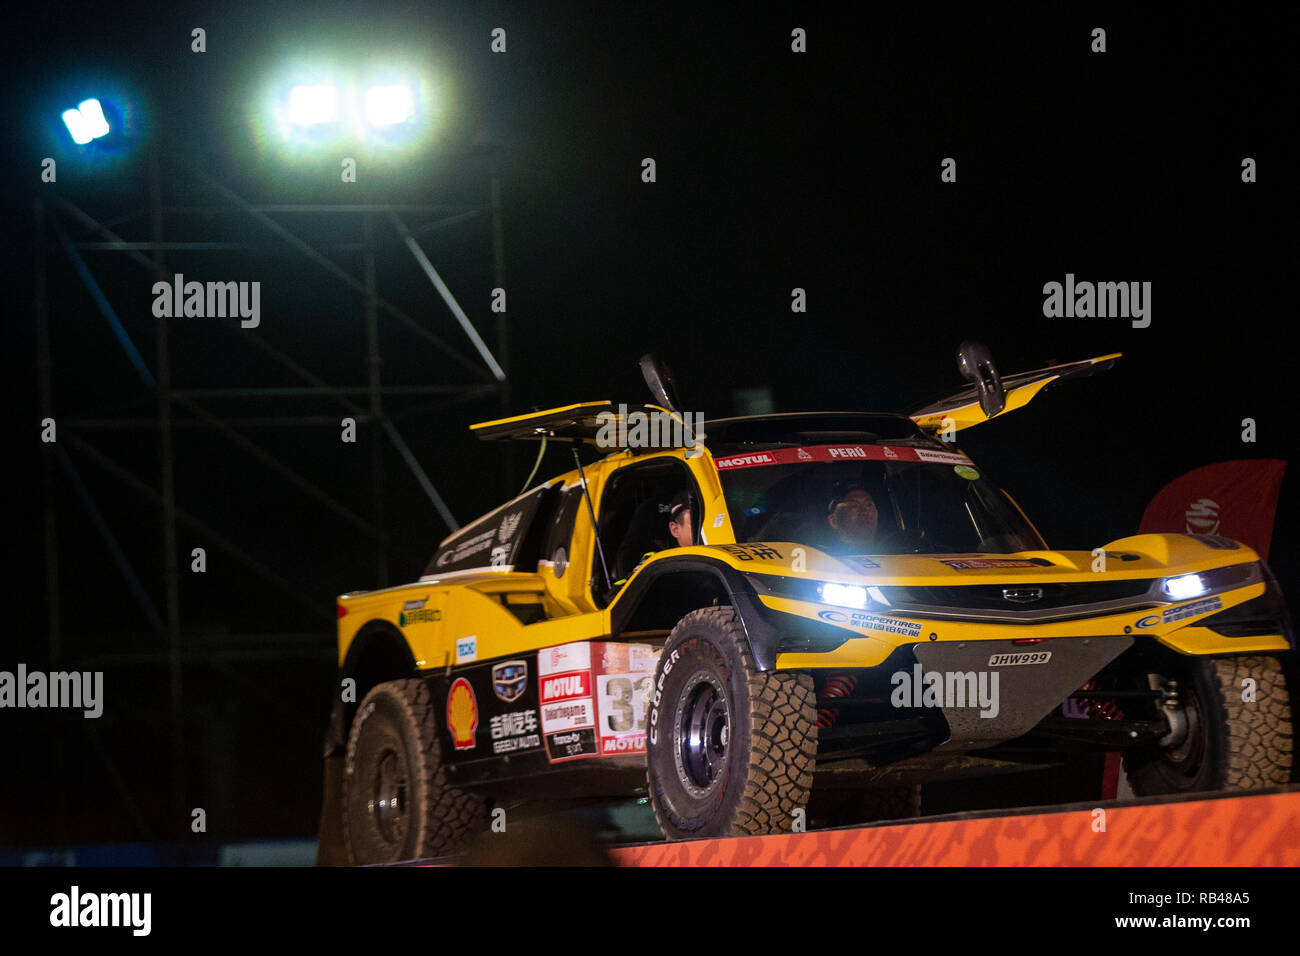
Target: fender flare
[767,632]
[372,634]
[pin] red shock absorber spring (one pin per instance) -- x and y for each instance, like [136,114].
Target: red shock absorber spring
[836,686]
[1100,709]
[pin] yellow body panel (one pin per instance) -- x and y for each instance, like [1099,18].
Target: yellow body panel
[468,609]
[1202,640]
[972,414]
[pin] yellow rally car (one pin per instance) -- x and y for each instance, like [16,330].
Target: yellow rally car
[789,601]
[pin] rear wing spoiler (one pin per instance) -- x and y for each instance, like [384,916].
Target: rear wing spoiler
[990,395]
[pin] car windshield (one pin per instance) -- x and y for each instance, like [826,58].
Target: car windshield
[881,505]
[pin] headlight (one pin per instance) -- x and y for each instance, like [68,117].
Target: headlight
[1181,587]
[843,595]
[1185,586]
[817,592]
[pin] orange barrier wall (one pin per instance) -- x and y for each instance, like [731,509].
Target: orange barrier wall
[1230,831]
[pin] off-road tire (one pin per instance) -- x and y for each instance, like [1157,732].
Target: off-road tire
[395,726]
[764,771]
[1243,746]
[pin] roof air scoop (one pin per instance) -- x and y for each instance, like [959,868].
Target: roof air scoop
[975,363]
[659,378]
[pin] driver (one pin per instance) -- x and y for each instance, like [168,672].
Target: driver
[679,520]
[853,516]
[680,529]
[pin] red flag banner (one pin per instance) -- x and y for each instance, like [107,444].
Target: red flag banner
[1235,499]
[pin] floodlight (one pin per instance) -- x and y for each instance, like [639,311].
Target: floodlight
[86,122]
[311,105]
[389,105]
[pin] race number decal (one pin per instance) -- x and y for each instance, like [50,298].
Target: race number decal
[623,700]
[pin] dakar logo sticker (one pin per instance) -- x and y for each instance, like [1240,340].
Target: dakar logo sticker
[1203,516]
[462,714]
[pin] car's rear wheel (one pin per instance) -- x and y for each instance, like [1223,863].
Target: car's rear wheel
[731,749]
[1232,730]
[396,801]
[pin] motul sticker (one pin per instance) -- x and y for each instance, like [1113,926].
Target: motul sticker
[568,686]
[616,746]
[745,461]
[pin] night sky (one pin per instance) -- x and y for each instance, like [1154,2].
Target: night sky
[775,170]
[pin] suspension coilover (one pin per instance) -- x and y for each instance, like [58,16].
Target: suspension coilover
[1099,709]
[836,686]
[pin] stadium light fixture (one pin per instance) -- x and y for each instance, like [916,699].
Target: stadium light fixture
[86,122]
[381,109]
[388,105]
[313,105]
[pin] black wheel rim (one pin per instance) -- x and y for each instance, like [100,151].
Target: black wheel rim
[388,800]
[702,734]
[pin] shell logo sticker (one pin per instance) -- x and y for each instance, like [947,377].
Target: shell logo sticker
[462,714]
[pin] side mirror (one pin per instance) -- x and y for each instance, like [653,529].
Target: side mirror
[659,378]
[975,363]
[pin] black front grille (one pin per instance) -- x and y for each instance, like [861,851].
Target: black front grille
[989,597]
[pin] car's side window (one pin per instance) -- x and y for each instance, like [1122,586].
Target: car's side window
[634,515]
[531,548]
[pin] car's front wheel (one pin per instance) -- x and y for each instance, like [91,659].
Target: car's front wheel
[1232,729]
[731,749]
